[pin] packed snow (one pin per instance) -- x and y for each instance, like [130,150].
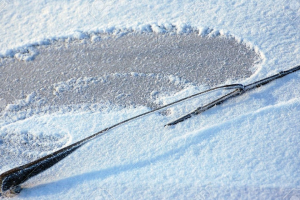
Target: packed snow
[245,148]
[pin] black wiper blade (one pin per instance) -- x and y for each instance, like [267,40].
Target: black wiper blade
[10,180]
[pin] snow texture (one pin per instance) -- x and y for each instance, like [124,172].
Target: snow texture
[246,148]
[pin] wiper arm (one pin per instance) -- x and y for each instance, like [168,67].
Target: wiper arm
[10,180]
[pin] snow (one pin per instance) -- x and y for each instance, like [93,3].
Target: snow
[256,23]
[246,148]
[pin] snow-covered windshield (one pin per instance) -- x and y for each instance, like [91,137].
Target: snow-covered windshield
[71,69]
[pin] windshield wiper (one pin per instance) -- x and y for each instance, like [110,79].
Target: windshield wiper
[10,180]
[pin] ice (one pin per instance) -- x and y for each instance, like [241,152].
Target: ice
[143,62]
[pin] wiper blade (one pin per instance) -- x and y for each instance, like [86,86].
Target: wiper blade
[10,180]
